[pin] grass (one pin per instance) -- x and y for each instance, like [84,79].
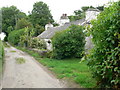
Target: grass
[13,51]
[20,60]
[1,56]
[67,69]
[6,45]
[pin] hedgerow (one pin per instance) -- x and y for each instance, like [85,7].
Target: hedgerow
[104,59]
[14,36]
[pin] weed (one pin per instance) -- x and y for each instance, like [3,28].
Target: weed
[20,60]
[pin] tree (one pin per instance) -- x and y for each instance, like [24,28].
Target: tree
[104,59]
[78,15]
[38,30]
[101,8]
[10,15]
[22,23]
[40,14]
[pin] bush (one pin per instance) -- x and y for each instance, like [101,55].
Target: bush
[69,43]
[104,59]
[38,43]
[14,36]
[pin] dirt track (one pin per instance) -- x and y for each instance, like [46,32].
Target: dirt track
[26,75]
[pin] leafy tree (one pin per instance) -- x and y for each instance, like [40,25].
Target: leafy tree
[78,15]
[104,59]
[85,8]
[10,15]
[101,8]
[38,30]
[40,14]
[22,23]
[9,29]
[69,43]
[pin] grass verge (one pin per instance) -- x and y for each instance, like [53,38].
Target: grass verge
[20,60]
[67,69]
[1,56]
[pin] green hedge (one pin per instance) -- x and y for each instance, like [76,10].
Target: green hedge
[14,36]
[104,59]
[1,55]
[69,43]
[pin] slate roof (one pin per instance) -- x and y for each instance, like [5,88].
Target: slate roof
[51,31]
[93,9]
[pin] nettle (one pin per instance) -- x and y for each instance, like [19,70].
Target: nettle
[104,58]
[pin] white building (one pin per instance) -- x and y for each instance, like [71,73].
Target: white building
[91,14]
[64,19]
[2,36]
[48,26]
[65,23]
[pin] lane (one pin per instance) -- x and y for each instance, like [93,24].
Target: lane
[26,75]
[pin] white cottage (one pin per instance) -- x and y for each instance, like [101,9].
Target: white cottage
[65,23]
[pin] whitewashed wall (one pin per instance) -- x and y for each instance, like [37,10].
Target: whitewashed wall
[49,45]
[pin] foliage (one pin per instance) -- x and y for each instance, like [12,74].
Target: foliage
[9,29]
[104,59]
[10,15]
[22,23]
[69,69]
[85,8]
[38,43]
[38,29]
[14,36]
[69,43]
[40,14]
[1,56]
[101,8]
[78,15]
[26,37]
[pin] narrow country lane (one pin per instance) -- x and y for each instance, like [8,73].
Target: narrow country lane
[26,75]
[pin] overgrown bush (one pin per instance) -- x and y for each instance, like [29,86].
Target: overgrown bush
[69,43]
[38,43]
[104,59]
[14,36]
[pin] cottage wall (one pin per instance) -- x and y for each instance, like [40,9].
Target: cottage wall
[49,44]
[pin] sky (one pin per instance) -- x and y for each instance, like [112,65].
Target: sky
[57,7]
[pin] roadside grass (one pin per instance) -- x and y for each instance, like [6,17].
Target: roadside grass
[13,51]
[20,60]
[1,56]
[67,69]
[6,45]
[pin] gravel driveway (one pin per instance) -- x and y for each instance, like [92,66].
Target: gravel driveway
[29,74]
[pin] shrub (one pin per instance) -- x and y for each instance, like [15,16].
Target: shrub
[14,36]
[104,59]
[38,43]
[69,43]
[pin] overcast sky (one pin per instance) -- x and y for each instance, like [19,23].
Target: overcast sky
[57,7]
